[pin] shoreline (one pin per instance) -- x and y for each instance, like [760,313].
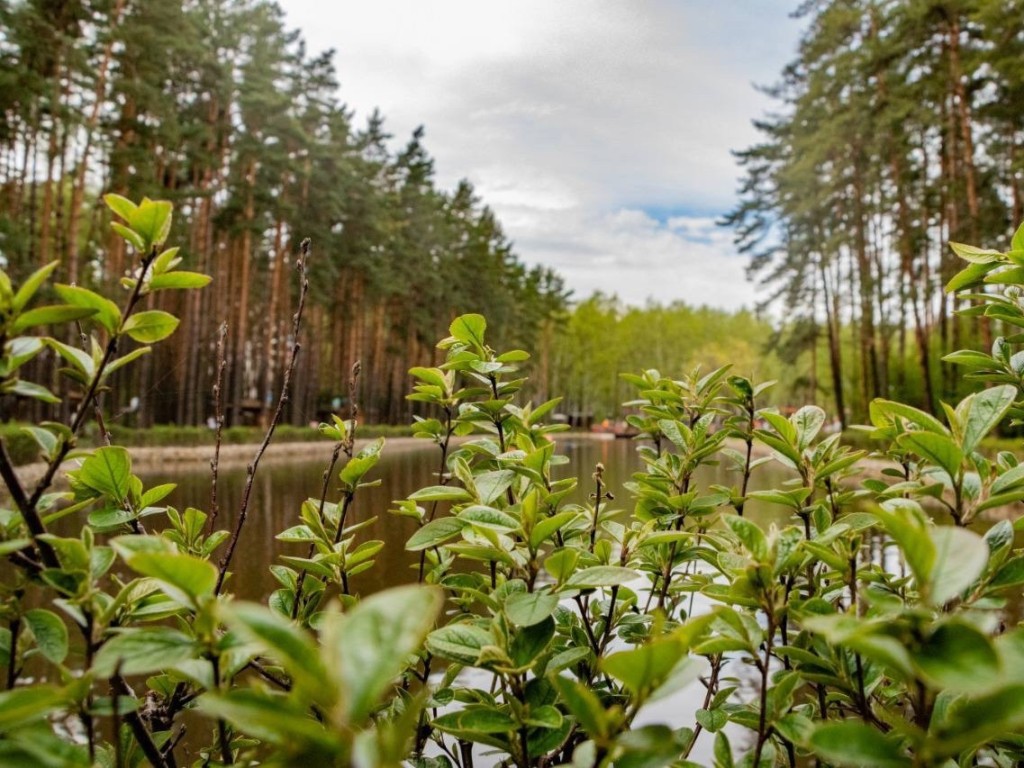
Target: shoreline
[150,459]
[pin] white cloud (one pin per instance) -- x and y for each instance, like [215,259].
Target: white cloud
[634,256]
[574,117]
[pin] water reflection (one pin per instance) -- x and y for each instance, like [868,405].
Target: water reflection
[283,484]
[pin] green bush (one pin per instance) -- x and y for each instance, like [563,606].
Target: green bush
[802,639]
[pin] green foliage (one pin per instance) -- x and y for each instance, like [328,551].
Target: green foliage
[541,629]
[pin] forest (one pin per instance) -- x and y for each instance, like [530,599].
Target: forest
[898,128]
[217,107]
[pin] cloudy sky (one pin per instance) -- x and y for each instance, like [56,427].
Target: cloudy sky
[599,130]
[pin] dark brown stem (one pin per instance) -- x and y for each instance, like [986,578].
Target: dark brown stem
[218,415]
[29,513]
[598,476]
[749,440]
[12,660]
[251,470]
[139,730]
[711,686]
[442,479]
[586,626]
[269,676]
[223,738]
[118,752]
[765,665]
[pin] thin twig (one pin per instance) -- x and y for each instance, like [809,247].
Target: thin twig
[218,415]
[348,446]
[118,751]
[251,470]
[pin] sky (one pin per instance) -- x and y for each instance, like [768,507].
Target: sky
[599,131]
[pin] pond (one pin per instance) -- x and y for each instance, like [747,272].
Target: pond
[282,485]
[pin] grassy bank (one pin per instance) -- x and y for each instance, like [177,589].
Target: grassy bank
[23,449]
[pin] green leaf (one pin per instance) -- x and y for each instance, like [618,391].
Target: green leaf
[13,545]
[108,519]
[459,642]
[808,422]
[972,275]
[958,656]
[50,633]
[529,643]
[32,284]
[131,236]
[179,280]
[488,517]
[644,668]
[513,356]
[23,705]
[183,577]
[150,326]
[1011,478]
[166,260]
[977,720]
[524,609]
[441,493]
[53,314]
[960,558]
[600,576]
[984,411]
[367,648]
[970,359]
[107,313]
[30,389]
[469,329]
[474,720]
[975,255]
[108,471]
[432,376]
[856,745]
[285,643]
[75,357]
[490,486]
[152,221]
[1017,244]
[356,468]
[545,528]
[142,651]
[584,705]
[1011,276]
[124,360]
[712,720]
[751,535]
[434,533]
[122,206]
[272,718]
[938,450]
[915,416]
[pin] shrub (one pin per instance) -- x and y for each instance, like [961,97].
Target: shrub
[573,617]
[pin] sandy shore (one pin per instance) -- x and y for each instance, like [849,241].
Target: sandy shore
[185,457]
